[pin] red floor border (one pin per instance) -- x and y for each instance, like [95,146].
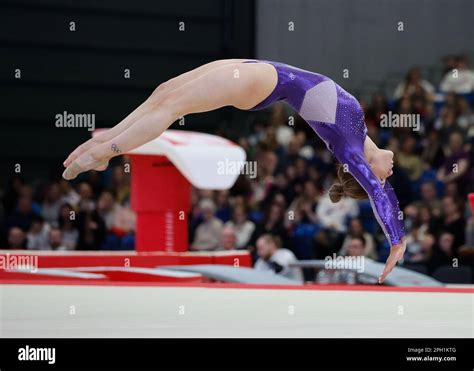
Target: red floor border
[243,286]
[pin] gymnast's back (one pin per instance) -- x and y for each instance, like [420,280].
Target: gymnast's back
[332,112]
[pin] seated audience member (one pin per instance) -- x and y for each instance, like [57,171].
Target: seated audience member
[412,84]
[429,198]
[207,235]
[274,258]
[356,246]
[356,229]
[424,251]
[333,215]
[453,221]
[242,226]
[23,215]
[16,239]
[55,240]
[443,252]
[223,209]
[272,223]
[38,234]
[91,227]
[68,193]
[228,238]
[67,224]
[51,204]
[460,79]
[409,160]
[456,165]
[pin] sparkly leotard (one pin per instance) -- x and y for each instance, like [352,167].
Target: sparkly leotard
[338,119]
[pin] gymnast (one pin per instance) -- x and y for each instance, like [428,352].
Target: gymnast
[249,84]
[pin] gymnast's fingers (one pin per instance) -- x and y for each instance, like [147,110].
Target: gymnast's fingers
[389,265]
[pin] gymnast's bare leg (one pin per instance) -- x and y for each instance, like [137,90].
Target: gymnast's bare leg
[146,107]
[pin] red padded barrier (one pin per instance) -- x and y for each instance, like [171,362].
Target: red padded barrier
[51,259]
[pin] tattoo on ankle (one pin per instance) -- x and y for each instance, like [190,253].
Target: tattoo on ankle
[115,148]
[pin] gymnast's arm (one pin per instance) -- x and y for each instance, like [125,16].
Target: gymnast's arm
[384,204]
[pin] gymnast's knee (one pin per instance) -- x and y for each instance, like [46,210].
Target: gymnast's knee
[168,105]
[161,90]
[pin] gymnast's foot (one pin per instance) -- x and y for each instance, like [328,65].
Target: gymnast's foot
[83,148]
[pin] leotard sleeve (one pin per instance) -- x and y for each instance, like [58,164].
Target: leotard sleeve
[382,198]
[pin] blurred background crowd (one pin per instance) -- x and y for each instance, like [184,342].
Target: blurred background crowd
[285,212]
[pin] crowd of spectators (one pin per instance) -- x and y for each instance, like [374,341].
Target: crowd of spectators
[285,212]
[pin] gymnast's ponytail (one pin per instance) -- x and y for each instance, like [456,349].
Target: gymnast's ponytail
[346,186]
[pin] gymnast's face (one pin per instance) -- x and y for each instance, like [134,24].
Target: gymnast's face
[382,165]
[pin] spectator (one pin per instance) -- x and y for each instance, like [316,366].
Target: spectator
[108,208]
[460,79]
[408,160]
[23,215]
[16,239]
[411,85]
[223,209]
[278,120]
[52,203]
[429,198]
[228,239]
[274,258]
[423,253]
[356,247]
[273,223]
[432,154]
[356,230]
[37,237]
[91,227]
[445,254]
[465,117]
[453,222]
[56,240]
[242,226]
[12,194]
[266,165]
[120,184]
[67,224]
[208,233]
[334,216]
[456,165]
[378,108]
[446,124]
[68,194]
[86,193]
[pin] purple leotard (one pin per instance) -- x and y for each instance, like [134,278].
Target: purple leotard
[337,118]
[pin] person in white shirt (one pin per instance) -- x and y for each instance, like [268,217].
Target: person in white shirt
[242,226]
[334,215]
[208,233]
[459,80]
[274,258]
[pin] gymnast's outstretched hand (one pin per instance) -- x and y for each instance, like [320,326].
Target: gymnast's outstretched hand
[396,255]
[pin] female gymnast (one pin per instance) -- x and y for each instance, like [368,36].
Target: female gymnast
[249,84]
